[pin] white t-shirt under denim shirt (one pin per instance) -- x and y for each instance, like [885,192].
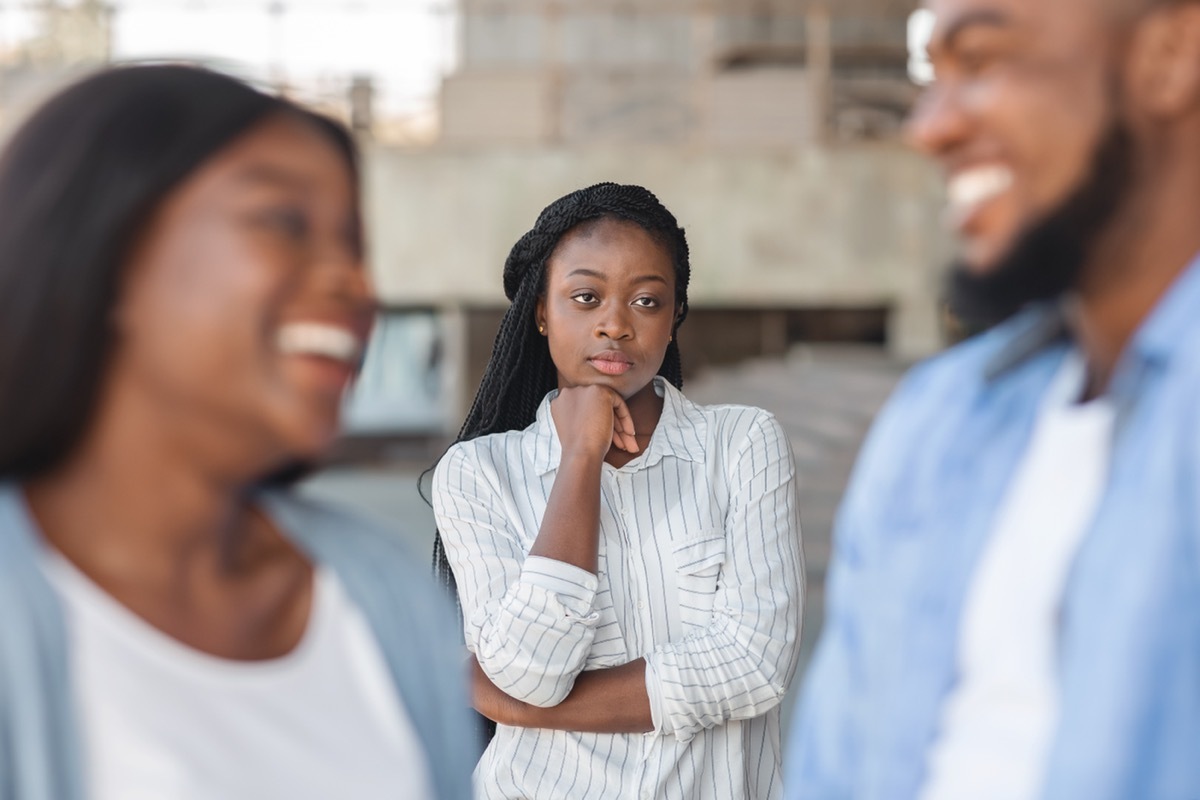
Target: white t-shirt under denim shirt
[998,723]
[700,572]
[163,721]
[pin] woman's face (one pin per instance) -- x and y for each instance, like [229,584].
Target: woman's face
[609,306]
[246,306]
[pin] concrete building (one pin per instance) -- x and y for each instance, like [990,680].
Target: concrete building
[70,40]
[721,73]
[768,126]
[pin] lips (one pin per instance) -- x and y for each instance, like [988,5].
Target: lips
[611,362]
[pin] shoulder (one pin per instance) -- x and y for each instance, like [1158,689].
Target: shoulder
[949,379]
[739,426]
[347,542]
[731,430]
[483,453]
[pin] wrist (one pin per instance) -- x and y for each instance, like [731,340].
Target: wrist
[513,713]
[579,458]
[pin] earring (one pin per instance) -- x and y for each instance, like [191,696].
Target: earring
[541,328]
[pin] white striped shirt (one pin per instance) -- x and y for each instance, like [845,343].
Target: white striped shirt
[700,572]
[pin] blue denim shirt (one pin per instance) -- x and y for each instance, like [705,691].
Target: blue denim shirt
[919,509]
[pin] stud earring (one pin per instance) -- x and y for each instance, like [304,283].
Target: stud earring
[541,328]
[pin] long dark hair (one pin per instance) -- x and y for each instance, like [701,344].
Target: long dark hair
[78,183]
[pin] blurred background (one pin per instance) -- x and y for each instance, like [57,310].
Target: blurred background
[771,128]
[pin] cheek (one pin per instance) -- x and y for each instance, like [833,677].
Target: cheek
[1053,155]
[202,317]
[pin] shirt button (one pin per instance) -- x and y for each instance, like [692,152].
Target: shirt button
[641,606]
[645,796]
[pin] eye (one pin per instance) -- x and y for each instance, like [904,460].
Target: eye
[977,52]
[647,302]
[973,62]
[584,298]
[292,222]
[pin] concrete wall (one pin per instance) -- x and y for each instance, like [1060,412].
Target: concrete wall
[853,226]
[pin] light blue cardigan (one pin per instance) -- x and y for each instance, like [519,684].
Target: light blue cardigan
[40,751]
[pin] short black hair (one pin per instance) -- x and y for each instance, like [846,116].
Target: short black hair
[78,183]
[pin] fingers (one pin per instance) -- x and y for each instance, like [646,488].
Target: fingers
[624,435]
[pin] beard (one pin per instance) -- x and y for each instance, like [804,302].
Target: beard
[1048,259]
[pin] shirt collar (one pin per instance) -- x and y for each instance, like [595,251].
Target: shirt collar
[681,433]
[1031,332]
[1162,334]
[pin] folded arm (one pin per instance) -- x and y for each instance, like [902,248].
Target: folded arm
[738,667]
[528,620]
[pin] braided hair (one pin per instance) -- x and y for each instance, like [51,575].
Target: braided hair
[520,372]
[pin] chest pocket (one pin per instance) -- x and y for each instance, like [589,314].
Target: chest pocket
[698,560]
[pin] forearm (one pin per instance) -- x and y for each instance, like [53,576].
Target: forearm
[534,642]
[571,524]
[610,700]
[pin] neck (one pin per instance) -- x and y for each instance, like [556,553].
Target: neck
[144,494]
[1132,268]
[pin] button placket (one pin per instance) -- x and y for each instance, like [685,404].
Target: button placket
[634,569]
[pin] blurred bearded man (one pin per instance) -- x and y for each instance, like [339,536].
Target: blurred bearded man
[1014,601]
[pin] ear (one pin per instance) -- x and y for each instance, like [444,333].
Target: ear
[1164,61]
[539,314]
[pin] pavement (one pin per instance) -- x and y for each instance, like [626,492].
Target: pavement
[825,396]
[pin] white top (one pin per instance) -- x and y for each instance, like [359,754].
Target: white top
[998,723]
[700,572]
[163,721]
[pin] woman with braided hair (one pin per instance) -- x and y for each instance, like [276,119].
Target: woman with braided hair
[628,563]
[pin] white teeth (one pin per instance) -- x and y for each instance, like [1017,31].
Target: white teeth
[319,339]
[974,186]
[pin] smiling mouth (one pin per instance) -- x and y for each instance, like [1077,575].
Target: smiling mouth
[321,340]
[968,190]
[611,364]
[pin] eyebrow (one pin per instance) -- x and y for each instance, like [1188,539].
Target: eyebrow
[270,174]
[984,17]
[591,273]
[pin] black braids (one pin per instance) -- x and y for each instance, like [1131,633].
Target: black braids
[672,368]
[498,405]
[520,371]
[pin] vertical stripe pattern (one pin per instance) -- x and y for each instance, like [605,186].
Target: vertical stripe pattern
[700,572]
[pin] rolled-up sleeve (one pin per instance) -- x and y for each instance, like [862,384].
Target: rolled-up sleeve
[742,663]
[529,621]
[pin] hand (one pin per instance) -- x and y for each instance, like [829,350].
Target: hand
[490,700]
[591,419]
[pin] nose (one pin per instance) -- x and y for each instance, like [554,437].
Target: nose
[341,275]
[614,323]
[938,122]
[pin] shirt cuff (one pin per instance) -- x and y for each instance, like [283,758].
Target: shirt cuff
[567,581]
[654,695]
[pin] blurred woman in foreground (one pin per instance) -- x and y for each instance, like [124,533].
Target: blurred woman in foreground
[182,304]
